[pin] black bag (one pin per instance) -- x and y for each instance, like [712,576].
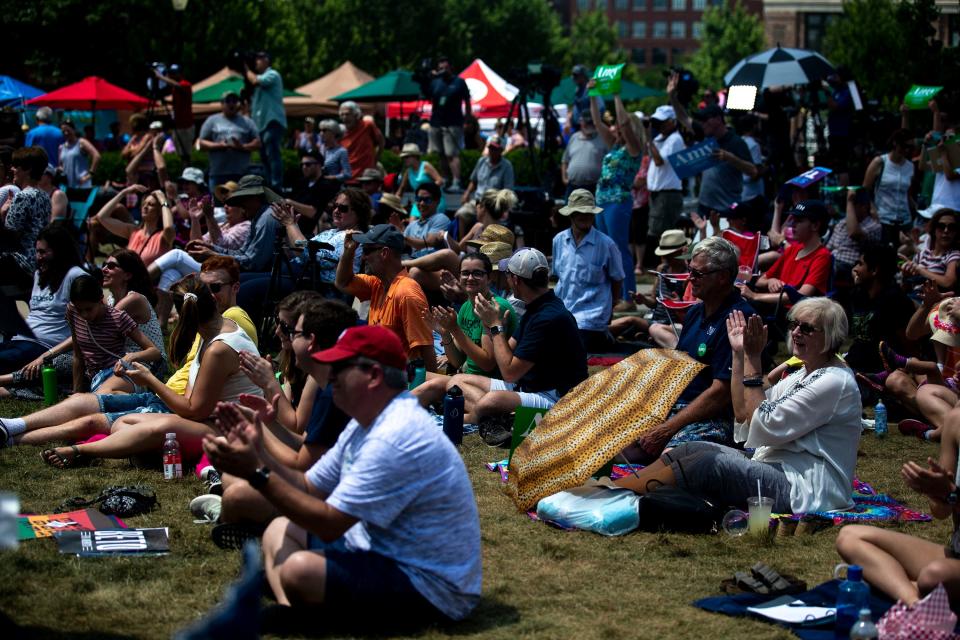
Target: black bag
[124,502]
[669,508]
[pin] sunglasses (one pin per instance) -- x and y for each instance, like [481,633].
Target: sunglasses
[425,200]
[339,367]
[946,226]
[110,265]
[341,208]
[215,287]
[696,274]
[806,328]
[478,274]
[308,164]
[285,329]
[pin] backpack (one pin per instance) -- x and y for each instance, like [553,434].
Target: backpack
[670,508]
[123,502]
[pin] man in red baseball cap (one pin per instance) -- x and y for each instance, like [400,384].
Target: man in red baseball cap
[386,520]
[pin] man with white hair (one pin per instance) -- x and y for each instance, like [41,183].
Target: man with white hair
[362,139]
[45,135]
[703,412]
[666,196]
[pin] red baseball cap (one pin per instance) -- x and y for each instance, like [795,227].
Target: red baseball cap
[374,342]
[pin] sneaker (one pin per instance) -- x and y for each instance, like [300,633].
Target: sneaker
[214,483]
[4,435]
[497,430]
[875,381]
[453,187]
[911,427]
[206,508]
[891,359]
[625,305]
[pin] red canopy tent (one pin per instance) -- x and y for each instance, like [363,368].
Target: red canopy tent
[490,94]
[91,93]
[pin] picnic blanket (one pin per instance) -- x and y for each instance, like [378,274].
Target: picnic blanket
[868,504]
[823,595]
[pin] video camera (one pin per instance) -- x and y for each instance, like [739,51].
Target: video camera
[155,86]
[536,77]
[241,58]
[687,86]
[424,72]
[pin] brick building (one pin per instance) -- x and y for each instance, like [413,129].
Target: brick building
[654,32]
[803,23]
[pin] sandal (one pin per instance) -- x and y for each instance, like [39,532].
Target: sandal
[234,535]
[54,459]
[748,583]
[778,583]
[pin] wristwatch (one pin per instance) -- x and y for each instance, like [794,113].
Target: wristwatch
[496,330]
[952,497]
[259,478]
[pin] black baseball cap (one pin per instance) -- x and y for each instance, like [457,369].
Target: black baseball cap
[812,209]
[709,111]
[385,234]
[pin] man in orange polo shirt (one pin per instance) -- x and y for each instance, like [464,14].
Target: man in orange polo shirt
[396,300]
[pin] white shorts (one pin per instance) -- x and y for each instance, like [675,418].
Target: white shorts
[531,399]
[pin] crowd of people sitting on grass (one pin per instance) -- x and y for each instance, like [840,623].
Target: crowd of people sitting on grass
[285,374]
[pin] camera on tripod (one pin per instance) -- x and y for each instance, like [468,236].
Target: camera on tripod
[424,71]
[241,58]
[535,77]
[157,88]
[687,85]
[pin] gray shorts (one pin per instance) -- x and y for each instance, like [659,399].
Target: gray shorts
[449,140]
[665,209]
[726,475]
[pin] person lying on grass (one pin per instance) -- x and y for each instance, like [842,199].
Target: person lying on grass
[805,429]
[214,376]
[83,415]
[906,567]
[98,333]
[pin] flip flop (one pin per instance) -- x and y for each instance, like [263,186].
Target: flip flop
[54,459]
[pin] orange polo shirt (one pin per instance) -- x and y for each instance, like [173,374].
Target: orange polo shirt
[400,309]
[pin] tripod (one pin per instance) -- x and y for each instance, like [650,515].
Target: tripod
[274,292]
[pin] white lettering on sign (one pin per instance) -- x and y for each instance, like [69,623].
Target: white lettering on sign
[607,72]
[120,540]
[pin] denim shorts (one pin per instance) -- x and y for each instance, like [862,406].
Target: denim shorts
[116,405]
[372,581]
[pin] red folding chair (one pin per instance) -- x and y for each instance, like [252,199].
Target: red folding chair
[747,243]
[680,306]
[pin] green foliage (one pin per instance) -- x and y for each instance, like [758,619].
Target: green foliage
[593,41]
[874,39]
[730,33]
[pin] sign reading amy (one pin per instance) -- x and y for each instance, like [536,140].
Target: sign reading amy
[694,160]
[920,96]
[607,78]
[810,177]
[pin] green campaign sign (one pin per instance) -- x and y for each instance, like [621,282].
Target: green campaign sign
[607,78]
[919,96]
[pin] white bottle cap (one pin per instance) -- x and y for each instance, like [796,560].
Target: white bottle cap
[171,436]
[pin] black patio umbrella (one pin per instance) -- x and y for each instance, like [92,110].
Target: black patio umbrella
[779,67]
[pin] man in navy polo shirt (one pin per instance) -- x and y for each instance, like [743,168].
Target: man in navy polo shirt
[543,360]
[703,411]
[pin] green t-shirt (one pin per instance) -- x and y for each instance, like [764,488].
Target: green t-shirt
[473,329]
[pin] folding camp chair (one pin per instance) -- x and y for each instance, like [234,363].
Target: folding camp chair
[685,302]
[80,211]
[748,244]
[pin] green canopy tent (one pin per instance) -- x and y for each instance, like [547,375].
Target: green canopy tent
[233,83]
[397,85]
[565,91]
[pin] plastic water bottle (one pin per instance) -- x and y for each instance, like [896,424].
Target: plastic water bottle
[453,415]
[852,596]
[880,420]
[9,510]
[864,628]
[172,461]
[419,374]
[48,374]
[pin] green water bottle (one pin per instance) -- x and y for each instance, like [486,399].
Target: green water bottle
[416,374]
[49,377]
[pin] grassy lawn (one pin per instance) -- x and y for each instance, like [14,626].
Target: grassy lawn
[538,581]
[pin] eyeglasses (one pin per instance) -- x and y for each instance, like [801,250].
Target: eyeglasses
[696,274]
[110,265]
[946,226]
[806,328]
[425,200]
[478,274]
[215,287]
[341,208]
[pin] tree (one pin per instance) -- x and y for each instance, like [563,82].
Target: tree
[874,38]
[592,41]
[730,33]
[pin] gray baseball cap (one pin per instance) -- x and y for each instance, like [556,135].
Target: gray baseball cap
[524,263]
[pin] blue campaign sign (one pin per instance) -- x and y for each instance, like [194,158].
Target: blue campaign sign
[694,160]
[807,178]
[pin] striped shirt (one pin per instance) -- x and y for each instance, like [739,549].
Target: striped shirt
[101,342]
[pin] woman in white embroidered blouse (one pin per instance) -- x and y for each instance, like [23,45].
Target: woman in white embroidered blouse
[805,429]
